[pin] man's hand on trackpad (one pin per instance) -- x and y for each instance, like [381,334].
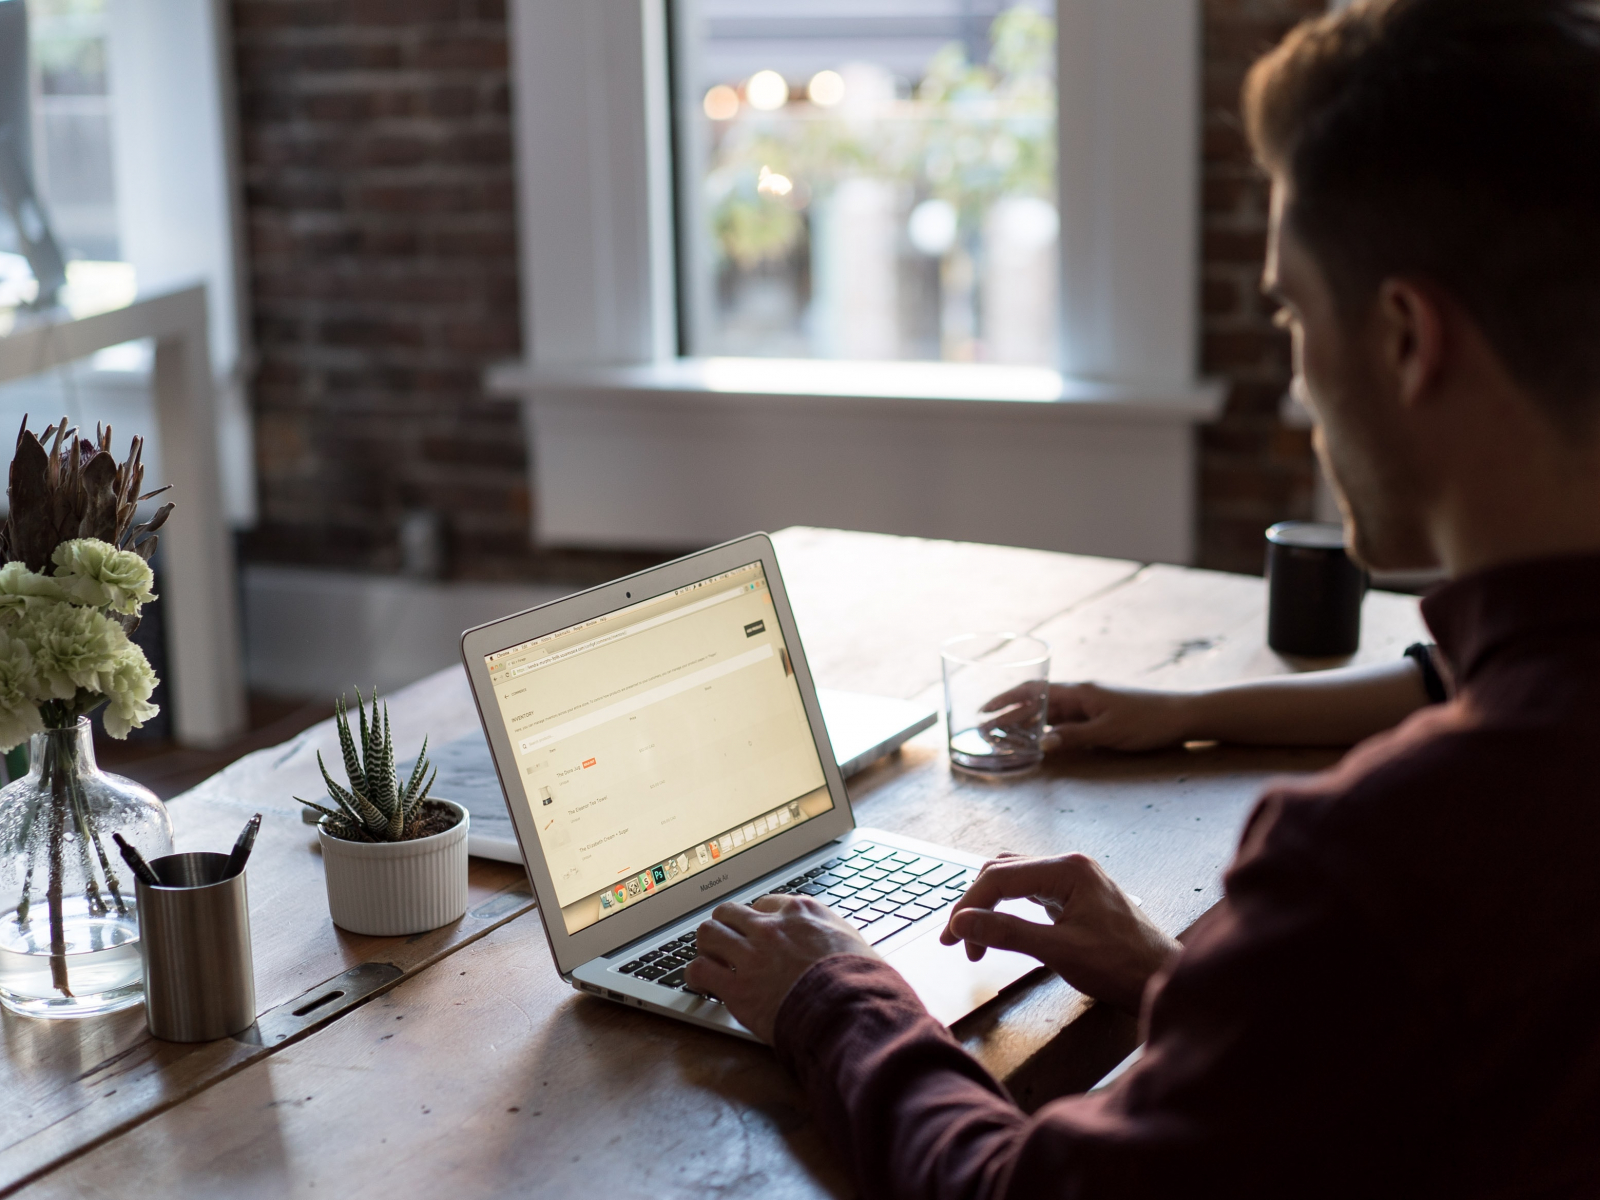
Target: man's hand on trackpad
[1098,939]
[752,954]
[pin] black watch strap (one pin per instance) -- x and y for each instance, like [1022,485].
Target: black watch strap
[1432,682]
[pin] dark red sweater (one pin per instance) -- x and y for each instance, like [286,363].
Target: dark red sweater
[1398,995]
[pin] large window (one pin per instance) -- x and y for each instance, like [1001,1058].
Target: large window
[115,112]
[867,180]
[1002,190]
[72,125]
[56,113]
[57,117]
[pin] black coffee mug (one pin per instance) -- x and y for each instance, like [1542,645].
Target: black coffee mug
[1314,591]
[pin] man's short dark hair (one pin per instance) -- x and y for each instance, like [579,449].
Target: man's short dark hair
[1456,141]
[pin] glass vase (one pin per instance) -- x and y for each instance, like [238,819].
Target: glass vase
[69,923]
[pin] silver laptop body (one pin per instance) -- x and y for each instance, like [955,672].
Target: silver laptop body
[661,750]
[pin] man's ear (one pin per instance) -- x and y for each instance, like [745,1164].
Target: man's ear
[1410,330]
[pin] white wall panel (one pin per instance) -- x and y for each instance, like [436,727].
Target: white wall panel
[678,473]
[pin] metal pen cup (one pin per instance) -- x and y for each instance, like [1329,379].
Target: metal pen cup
[194,937]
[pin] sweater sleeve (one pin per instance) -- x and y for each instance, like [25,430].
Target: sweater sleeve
[913,1113]
[1257,1005]
[917,1118]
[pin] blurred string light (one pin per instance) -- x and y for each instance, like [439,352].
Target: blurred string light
[767,91]
[721,103]
[826,88]
[770,183]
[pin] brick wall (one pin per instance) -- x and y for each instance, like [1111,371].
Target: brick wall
[377,162]
[1253,470]
[378,189]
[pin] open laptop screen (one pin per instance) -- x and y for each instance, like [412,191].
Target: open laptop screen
[654,741]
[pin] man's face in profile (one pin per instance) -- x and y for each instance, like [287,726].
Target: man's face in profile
[1361,437]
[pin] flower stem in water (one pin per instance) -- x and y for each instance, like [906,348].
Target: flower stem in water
[26,902]
[58,933]
[80,818]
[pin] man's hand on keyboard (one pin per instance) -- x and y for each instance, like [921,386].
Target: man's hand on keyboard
[751,955]
[1099,940]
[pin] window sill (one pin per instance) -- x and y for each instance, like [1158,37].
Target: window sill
[691,452]
[914,387]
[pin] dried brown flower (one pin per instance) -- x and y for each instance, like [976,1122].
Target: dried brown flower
[75,489]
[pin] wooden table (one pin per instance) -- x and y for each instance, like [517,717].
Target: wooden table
[457,1063]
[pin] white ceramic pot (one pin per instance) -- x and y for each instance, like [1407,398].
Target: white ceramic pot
[389,888]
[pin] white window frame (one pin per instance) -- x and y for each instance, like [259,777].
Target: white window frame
[610,405]
[180,210]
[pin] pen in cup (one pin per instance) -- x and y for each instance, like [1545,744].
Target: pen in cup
[242,848]
[136,862]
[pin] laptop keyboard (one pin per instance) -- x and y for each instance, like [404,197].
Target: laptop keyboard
[878,889]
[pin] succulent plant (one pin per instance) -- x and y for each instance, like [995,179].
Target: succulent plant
[374,807]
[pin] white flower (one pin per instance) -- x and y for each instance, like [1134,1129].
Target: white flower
[19,713]
[72,648]
[22,591]
[132,681]
[96,573]
[56,643]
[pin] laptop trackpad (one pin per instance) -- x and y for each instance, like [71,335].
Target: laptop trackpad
[949,984]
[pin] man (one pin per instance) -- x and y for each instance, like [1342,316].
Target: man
[1400,992]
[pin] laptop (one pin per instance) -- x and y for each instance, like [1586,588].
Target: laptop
[661,749]
[862,729]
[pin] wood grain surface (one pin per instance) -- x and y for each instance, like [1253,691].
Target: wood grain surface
[65,1084]
[485,1075]
[873,609]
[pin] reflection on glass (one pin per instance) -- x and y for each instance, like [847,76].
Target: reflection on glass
[860,182]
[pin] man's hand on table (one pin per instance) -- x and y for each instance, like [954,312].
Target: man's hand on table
[1100,941]
[752,954]
[1091,716]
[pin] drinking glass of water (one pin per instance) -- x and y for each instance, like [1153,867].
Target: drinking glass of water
[995,695]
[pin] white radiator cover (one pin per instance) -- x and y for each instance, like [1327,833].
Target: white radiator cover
[677,470]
